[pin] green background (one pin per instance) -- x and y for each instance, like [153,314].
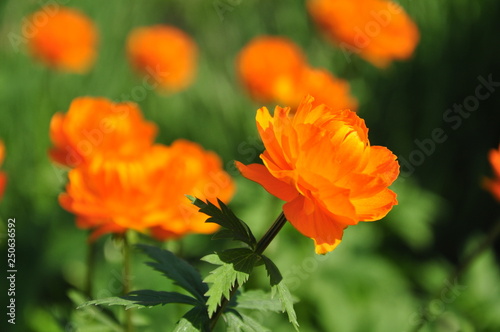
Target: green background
[383,276]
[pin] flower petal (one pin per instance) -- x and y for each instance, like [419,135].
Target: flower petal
[260,174]
[375,207]
[322,227]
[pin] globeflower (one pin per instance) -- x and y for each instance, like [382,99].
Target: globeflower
[378,30]
[493,185]
[3,178]
[326,89]
[62,38]
[320,162]
[196,172]
[95,126]
[146,193]
[274,69]
[166,54]
[271,69]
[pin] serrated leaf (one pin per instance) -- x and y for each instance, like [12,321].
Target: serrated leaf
[223,280]
[233,227]
[286,300]
[258,300]
[195,320]
[243,259]
[151,298]
[238,322]
[97,314]
[115,300]
[273,272]
[177,270]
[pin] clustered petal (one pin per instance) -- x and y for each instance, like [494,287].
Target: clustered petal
[319,161]
[123,181]
[62,38]
[274,69]
[378,30]
[94,126]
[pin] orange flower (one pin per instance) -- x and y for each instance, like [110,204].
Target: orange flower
[97,125]
[113,195]
[493,185]
[195,172]
[274,69]
[164,53]
[321,163]
[379,30]
[3,178]
[326,89]
[271,69]
[63,38]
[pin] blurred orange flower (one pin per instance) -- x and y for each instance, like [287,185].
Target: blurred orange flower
[378,30]
[61,37]
[96,125]
[326,89]
[3,178]
[321,163]
[271,69]
[493,185]
[164,53]
[195,172]
[274,69]
[113,195]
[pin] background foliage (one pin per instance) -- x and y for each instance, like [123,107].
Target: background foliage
[384,277]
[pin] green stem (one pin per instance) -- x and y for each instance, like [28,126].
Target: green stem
[259,249]
[126,280]
[91,255]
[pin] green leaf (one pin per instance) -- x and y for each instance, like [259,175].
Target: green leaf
[143,298]
[97,314]
[151,298]
[238,322]
[233,227]
[243,259]
[222,279]
[177,270]
[115,300]
[194,320]
[258,300]
[286,300]
[273,272]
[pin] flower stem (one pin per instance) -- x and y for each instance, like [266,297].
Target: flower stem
[270,234]
[126,280]
[259,249]
[91,255]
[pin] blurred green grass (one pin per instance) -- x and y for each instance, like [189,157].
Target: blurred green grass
[383,273]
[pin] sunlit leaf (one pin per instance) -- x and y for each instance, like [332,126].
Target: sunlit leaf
[258,300]
[237,322]
[223,279]
[286,300]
